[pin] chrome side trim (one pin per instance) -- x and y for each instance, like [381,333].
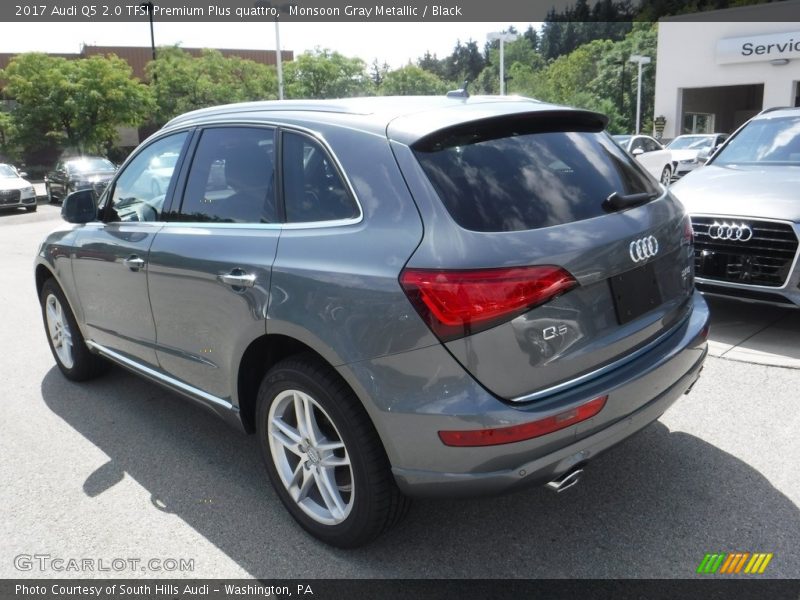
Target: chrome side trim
[184,387]
[602,370]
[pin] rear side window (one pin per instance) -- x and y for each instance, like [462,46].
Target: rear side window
[513,177]
[312,188]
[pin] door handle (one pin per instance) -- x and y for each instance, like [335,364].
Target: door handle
[133,262]
[238,279]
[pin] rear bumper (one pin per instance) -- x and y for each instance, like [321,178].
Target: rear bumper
[412,396]
[550,466]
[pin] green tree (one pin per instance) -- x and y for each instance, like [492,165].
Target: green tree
[103,96]
[182,82]
[411,80]
[322,73]
[432,64]
[75,104]
[7,150]
[465,63]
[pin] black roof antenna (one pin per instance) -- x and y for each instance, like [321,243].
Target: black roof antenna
[460,93]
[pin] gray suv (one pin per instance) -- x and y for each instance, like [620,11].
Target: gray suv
[399,296]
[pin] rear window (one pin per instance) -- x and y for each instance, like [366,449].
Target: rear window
[514,176]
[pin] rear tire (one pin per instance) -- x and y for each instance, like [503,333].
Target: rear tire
[323,456]
[64,336]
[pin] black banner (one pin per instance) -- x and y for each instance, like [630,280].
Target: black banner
[405,589]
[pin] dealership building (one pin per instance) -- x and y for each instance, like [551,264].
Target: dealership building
[715,74]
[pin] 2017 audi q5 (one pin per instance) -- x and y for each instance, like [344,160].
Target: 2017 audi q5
[399,296]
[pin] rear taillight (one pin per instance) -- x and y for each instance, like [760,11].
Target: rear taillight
[459,303]
[526,431]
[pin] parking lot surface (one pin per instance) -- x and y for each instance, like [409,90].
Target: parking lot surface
[120,468]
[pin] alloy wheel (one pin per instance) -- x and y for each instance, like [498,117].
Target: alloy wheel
[59,331]
[310,457]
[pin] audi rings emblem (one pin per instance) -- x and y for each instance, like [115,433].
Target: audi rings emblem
[730,231]
[643,248]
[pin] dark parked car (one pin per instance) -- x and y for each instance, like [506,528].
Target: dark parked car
[746,213]
[80,173]
[15,192]
[398,296]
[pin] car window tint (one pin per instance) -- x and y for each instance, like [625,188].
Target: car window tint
[140,190]
[232,177]
[527,181]
[313,190]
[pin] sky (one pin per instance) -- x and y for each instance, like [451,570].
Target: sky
[393,43]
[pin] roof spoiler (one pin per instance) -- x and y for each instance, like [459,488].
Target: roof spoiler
[507,124]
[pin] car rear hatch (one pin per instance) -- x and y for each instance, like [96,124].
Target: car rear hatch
[549,255]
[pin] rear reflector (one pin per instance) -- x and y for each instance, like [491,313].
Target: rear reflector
[526,431]
[459,303]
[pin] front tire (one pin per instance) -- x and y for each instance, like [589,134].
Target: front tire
[31,208]
[66,342]
[323,456]
[666,176]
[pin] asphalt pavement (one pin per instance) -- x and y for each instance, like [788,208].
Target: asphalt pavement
[121,469]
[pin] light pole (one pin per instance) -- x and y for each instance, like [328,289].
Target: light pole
[278,61]
[148,6]
[503,37]
[642,60]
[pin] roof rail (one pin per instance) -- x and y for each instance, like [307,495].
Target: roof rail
[459,93]
[774,108]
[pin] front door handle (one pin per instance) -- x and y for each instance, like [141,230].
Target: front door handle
[133,262]
[238,279]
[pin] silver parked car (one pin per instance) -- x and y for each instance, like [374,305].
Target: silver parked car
[746,213]
[15,191]
[398,296]
[691,151]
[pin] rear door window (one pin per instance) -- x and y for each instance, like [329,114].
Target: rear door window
[232,177]
[504,179]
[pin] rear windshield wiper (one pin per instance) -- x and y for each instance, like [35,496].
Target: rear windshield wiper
[617,201]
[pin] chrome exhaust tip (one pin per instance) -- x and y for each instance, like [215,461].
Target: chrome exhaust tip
[566,481]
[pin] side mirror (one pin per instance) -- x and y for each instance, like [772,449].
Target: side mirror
[23,174]
[79,207]
[637,151]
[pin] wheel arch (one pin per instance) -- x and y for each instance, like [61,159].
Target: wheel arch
[259,357]
[42,274]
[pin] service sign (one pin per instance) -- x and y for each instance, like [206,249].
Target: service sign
[759,48]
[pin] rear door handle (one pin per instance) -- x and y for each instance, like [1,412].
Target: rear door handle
[238,279]
[133,262]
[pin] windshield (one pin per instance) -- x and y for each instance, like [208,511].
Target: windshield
[88,165]
[7,172]
[622,140]
[764,141]
[691,142]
